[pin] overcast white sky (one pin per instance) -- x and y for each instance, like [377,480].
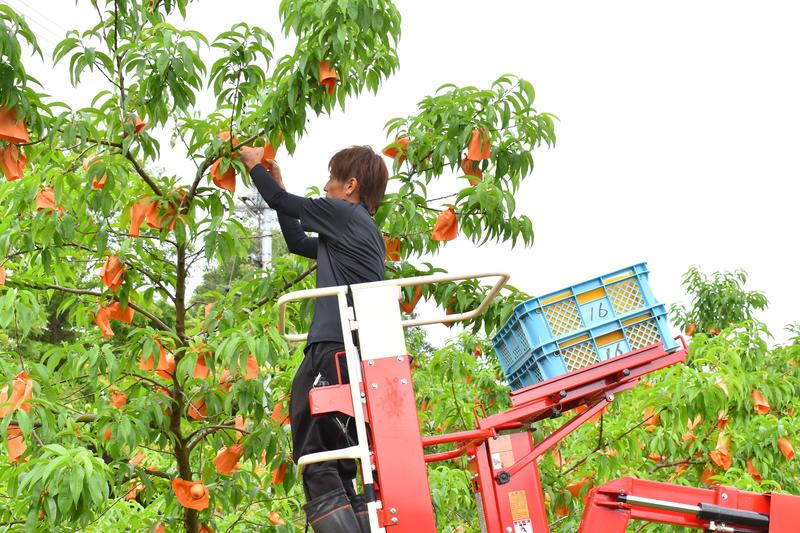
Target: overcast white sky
[677,143]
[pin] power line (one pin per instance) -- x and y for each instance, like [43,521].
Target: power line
[39,35]
[45,17]
[35,22]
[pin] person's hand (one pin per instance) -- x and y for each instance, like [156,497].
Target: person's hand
[250,156]
[275,172]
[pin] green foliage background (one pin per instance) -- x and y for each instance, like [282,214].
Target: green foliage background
[72,477]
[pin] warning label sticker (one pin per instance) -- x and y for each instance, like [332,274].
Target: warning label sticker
[502,452]
[523,526]
[497,462]
[519,506]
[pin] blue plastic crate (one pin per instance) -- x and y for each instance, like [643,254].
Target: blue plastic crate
[539,323]
[587,347]
[558,314]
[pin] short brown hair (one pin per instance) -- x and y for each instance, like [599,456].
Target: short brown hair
[362,163]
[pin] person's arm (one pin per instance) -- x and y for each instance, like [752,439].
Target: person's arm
[296,239]
[324,216]
[277,198]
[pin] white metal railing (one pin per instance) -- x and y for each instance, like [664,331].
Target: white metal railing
[400,282]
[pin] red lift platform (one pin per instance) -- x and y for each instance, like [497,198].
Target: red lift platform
[500,449]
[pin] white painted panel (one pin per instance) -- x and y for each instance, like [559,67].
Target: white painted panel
[380,328]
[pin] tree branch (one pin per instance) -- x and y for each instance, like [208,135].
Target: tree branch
[288,285]
[155,281]
[105,75]
[618,437]
[144,378]
[201,171]
[80,419]
[676,463]
[143,174]
[119,60]
[158,473]
[136,165]
[84,292]
[200,434]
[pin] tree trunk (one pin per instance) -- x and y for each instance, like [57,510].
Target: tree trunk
[181,450]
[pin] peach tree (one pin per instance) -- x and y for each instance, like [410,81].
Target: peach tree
[165,409]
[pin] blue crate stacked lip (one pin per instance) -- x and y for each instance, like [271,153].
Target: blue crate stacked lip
[580,325]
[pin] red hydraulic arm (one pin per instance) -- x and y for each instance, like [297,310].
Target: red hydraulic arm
[504,472]
[613,505]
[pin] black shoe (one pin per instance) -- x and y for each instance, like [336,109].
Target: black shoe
[360,509]
[332,513]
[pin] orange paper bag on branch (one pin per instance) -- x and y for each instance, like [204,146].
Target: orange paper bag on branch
[270,151]
[392,248]
[275,519]
[238,423]
[327,76]
[400,146]
[575,488]
[144,208]
[87,164]
[751,468]
[225,379]
[227,459]
[251,368]
[721,456]
[201,370]
[147,210]
[408,305]
[278,416]
[21,394]
[111,274]
[101,318]
[279,473]
[446,228]
[190,494]
[164,218]
[760,404]
[15,443]
[12,162]
[118,399]
[117,313]
[138,125]
[224,180]
[166,366]
[650,418]
[11,130]
[470,169]
[149,363]
[197,410]
[786,448]
[480,147]
[46,201]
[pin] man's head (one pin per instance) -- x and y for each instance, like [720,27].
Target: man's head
[357,174]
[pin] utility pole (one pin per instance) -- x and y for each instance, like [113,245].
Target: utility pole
[255,205]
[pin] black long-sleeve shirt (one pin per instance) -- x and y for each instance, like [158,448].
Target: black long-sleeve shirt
[349,248]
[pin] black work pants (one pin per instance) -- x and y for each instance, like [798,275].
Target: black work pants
[325,432]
